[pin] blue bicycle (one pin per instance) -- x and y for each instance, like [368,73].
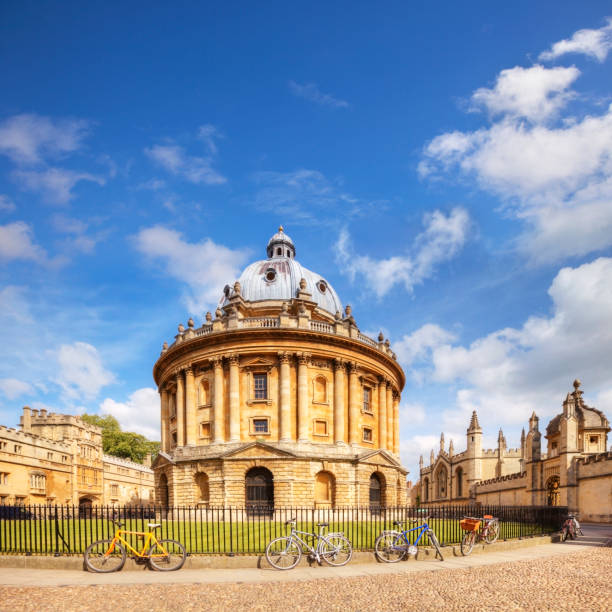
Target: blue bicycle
[393,546]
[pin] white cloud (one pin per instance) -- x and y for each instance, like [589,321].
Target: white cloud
[205,267]
[6,204]
[78,239]
[557,179]
[443,237]
[82,373]
[195,169]
[303,196]
[140,413]
[510,372]
[416,348]
[311,92]
[536,93]
[29,138]
[16,243]
[54,184]
[594,43]
[13,388]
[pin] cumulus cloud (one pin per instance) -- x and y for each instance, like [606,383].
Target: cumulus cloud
[205,267]
[510,372]
[311,92]
[29,138]
[16,242]
[443,237]
[556,178]
[13,388]
[534,93]
[593,43]
[6,204]
[54,184]
[140,413]
[195,169]
[81,371]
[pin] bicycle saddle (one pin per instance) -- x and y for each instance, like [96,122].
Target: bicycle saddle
[154,525]
[322,524]
[397,523]
[290,521]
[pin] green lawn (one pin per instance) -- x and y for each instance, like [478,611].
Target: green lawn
[42,536]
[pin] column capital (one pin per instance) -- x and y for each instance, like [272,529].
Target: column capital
[188,370]
[353,367]
[233,358]
[284,356]
[304,358]
[339,364]
[217,362]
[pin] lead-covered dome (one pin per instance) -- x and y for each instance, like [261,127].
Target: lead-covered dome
[279,277]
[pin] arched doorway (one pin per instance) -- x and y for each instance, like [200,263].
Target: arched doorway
[552,491]
[85,507]
[163,490]
[376,492]
[259,485]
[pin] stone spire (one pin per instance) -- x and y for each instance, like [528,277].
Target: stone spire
[501,440]
[421,462]
[533,422]
[451,448]
[442,442]
[474,424]
[431,457]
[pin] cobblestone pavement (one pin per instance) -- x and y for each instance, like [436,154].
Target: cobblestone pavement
[580,580]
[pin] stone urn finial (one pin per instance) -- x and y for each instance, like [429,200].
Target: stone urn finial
[181,328]
[218,313]
[237,288]
[190,323]
[303,284]
[285,308]
[577,384]
[338,315]
[165,346]
[380,337]
[208,317]
[348,310]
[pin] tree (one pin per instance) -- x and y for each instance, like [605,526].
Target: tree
[126,444]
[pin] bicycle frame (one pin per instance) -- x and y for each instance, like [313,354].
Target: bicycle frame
[149,539]
[424,528]
[313,551]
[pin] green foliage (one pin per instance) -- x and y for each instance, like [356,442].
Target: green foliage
[126,444]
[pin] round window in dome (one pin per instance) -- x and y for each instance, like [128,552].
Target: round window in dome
[270,275]
[322,286]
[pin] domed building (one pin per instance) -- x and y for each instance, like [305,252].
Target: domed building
[279,399]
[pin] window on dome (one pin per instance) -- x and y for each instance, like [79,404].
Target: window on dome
[270,275]
[322,286]
[288,253]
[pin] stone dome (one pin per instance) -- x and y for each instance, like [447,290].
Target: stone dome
[279,277]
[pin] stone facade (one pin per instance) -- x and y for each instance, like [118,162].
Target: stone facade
[277,396]
[58,459]
[576,470]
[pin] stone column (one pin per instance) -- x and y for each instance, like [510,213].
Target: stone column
[353,405]
[339,425]
[382,413]
[180,409]
[234,399]
[390,419]
[190,408]
[396,429]
[165,420]
[285,397]
[218,402]
[303,411]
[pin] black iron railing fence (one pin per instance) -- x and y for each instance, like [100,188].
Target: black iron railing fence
[209,530]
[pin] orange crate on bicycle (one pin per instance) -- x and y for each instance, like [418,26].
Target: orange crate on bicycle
[470,524]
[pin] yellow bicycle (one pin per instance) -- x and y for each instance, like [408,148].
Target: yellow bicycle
[109,555]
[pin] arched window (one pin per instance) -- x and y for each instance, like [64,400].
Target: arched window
[442,478]
[163,490]
[320,389]
[552,491]
[202,489]
[324,489]
[376,491]
[459,481]
[425,489]
[279,251]
[204,391]
[259,484]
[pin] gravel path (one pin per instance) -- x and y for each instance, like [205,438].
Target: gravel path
[576,581]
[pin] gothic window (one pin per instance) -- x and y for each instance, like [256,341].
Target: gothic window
[425,489]
[324,488]
[442,482]
[459,480]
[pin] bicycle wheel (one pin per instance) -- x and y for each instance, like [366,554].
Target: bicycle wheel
[390,547]
[336,550]
[102,557]
[564,533]
[434,542]
[283,553]
[571,530]
[467,543]
[166,555]
[492,532]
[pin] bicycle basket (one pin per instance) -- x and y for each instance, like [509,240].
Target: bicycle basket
[469,524]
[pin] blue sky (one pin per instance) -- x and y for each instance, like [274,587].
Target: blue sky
[448,168]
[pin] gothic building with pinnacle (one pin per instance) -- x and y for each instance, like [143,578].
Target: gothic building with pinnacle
[279,399]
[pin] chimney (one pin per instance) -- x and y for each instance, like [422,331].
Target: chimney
[147,460]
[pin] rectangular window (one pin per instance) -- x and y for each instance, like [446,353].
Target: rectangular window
[367,434]
[594,439]
[261,386]
[114,489]
[17,448]
[367,399]
[204,430]
[50,456]
[260,425]
[320,427]
[4,478]
[3,445]
[64,458]
[174,438]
